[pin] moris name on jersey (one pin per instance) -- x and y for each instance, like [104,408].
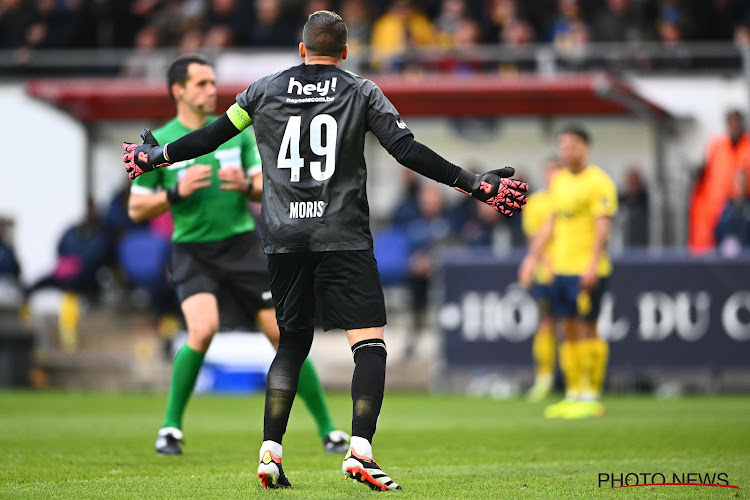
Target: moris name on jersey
[306,209]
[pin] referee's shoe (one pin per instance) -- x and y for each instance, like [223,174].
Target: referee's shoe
[169,441]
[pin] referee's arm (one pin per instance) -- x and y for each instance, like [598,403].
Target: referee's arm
[145,206]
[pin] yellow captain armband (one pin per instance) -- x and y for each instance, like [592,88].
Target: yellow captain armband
[239,117]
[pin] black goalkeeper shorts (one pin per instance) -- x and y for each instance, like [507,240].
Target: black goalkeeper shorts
[344,286]
[236,265]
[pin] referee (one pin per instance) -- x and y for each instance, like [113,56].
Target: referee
[310,122]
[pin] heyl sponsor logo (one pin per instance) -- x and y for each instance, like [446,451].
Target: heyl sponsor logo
[322,88]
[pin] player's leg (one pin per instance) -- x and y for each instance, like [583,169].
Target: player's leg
[347,285]
[201,313]
[544,345]
[544,351]
[594,354]
[196,289]
[281,387]
[291,279]
[368,387]
[309,389]
[564,307]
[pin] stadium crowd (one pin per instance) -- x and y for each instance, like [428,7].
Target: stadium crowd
[391,29]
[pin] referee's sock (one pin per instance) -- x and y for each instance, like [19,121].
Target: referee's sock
[282,381]
[368,385]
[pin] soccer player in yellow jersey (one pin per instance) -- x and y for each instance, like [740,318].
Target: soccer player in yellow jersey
[584,200]
[536,212]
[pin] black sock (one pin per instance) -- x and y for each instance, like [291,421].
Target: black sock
[368,384]
[282,380]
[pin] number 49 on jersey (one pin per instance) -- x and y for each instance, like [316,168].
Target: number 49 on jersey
[289,156]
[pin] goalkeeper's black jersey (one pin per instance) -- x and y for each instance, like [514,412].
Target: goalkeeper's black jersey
[310,123]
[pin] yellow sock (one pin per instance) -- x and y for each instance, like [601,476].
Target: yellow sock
[68,320]
[571,368]
[587,362]
[543,350]
[600,354]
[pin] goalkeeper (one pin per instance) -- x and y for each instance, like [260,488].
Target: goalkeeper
[215,246]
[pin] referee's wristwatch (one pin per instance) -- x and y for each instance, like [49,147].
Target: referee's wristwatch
[249,186]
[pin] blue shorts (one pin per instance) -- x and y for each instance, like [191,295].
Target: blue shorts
[542,294]
[569,301]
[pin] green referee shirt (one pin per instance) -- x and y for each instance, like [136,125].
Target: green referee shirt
[210,213]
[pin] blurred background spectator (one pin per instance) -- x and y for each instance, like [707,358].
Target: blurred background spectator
[634,209]
[725,155]
[733,228]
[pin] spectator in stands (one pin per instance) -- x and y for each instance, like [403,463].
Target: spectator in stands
[400,29]
[15,17]
[223,23]
[570,35]
[719,19]
[447,23]
[742,33]
[617,22]
[191,41]
[725,155]
[61,25]
[479,228]
[517,37]
[499,15]
[116,217]
[83,249]
[356,14]
[733,229]
[568,17]
[142,62]
[407,210]
[11,288]
[270,27]
[634,209]
[464,55]
[428,232]
[358,17]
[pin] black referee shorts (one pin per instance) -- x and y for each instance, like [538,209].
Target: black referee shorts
[236,265]
[343,285]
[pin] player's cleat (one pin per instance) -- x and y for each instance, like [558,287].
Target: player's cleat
[336,442]
[270,473]
[559,409]
[538,392]
[169,441]
[366,471]
[584,409]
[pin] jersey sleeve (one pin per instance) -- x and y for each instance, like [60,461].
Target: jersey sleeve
[250,156]
[530,216]
[249,99]
[382,118]
[604,199]
[147,183]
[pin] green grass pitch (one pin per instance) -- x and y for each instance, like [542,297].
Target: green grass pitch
[60,445]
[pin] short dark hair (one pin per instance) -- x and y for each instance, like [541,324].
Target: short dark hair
[577,129]
[325,34]
[178,69]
